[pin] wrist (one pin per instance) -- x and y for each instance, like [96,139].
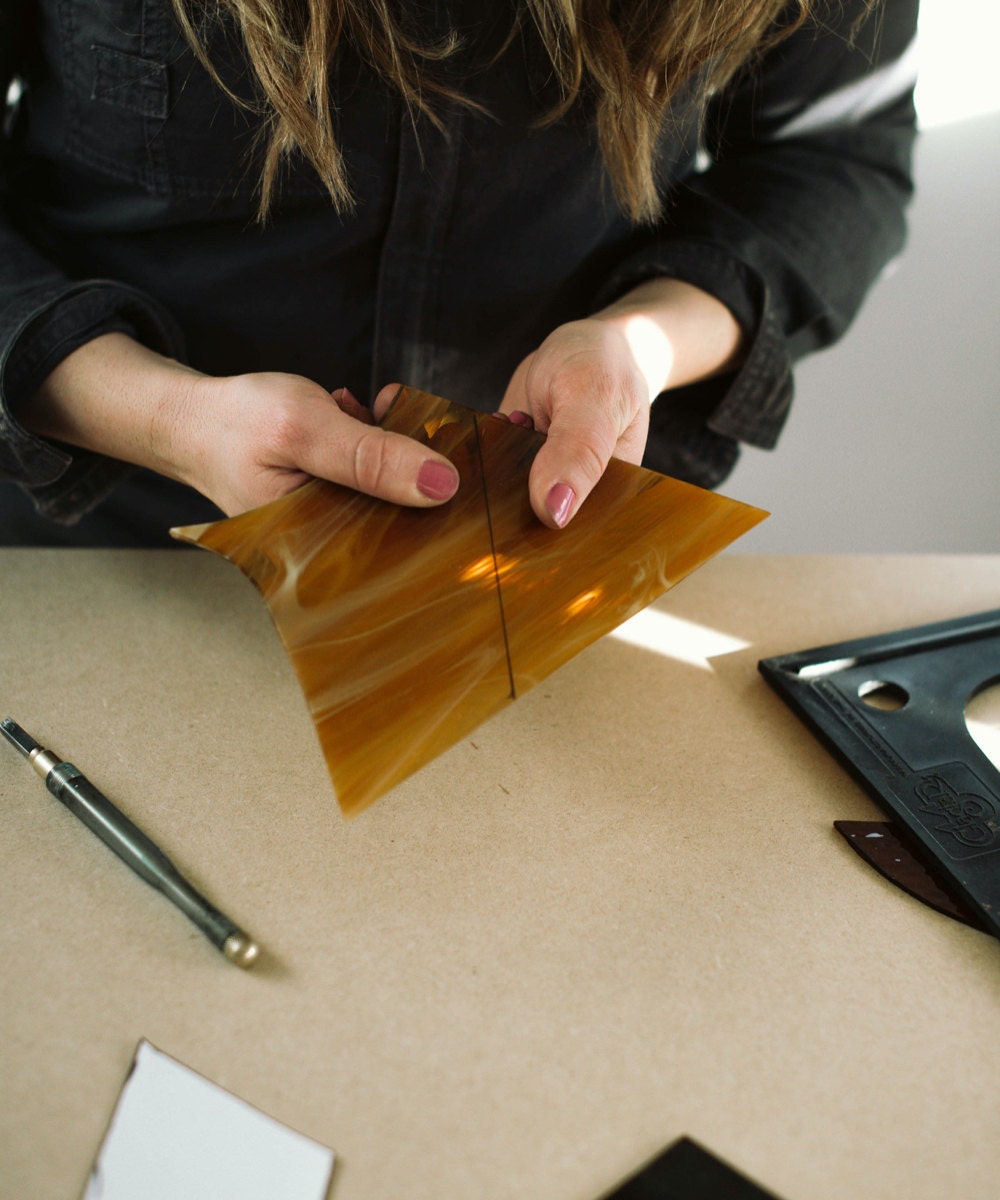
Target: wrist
[116,397]
[647,342]
[676,332]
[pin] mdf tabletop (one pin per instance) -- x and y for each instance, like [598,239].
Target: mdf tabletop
[615,915]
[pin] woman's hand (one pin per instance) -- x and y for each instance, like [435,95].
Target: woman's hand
[590,384]
[241,440]
[252,438]
[584,389]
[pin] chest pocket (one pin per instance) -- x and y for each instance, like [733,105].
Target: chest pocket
[142,109]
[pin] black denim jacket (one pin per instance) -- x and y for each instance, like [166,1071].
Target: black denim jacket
[127,201]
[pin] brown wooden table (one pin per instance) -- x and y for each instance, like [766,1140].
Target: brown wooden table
[616,914]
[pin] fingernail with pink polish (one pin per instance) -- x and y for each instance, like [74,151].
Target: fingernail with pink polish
[521,418]
[560,502]
[437,480]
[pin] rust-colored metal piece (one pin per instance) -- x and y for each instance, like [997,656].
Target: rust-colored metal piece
[879,844]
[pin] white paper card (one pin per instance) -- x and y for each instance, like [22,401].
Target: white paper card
[175,1135]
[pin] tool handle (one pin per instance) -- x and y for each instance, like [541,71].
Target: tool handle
[73,789]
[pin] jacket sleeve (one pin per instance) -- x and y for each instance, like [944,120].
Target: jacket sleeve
[799,201]
[45,315]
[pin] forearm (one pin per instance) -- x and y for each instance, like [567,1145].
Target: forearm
[116,397]
[590,384]
[240,440]
[801,206]
[677,333]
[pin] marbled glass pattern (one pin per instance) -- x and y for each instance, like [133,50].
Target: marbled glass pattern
[407,628]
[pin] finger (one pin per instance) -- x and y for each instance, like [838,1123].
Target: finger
[573,458]
[377,462]
[348,403]
[385,398]
[516,396]
[566,468]
[525,420]
[576,449]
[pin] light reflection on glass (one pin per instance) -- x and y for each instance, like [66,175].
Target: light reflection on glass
[583,601]
[478,569]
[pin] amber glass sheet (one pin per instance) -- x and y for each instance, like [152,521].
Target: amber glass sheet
[407,628]
[637,535]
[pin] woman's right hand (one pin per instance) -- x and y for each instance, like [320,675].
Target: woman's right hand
[240,440]
[252,438]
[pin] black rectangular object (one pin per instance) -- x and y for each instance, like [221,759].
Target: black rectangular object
[687,1171]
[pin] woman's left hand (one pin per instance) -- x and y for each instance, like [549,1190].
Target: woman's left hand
[590,384]
[583,388]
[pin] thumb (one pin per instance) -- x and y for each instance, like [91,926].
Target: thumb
[380,463]
[568,465]
[577,449]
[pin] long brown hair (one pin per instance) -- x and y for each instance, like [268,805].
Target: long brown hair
[633,56]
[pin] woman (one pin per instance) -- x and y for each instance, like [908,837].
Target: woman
[222,239]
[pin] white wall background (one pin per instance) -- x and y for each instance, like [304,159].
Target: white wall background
[893,443]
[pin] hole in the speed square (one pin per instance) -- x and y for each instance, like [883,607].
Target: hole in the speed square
[982,719]
[886,697]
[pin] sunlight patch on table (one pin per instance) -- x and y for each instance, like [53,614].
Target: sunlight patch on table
[674,637]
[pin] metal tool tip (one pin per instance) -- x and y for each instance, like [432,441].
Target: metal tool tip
[17,736]
[241,950]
